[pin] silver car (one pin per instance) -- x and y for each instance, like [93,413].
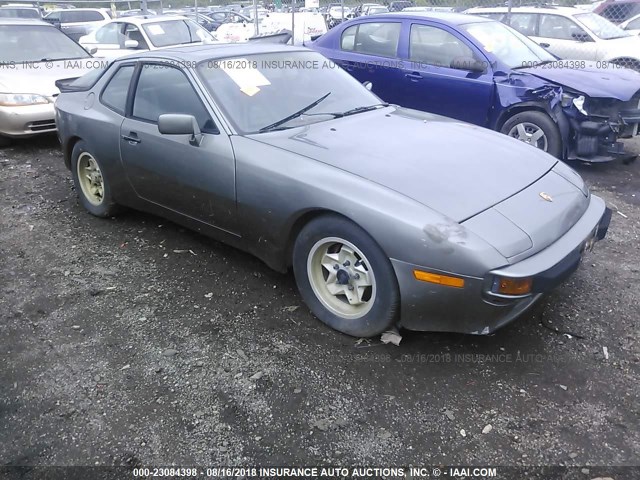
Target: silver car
[33,55]
[383,218]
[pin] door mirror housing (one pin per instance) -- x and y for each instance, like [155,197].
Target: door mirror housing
[469,63]
[180,124]
[91,50]
[368,85]
[130,44]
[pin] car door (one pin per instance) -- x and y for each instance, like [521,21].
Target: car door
[565,38]
[431,83]
[369,52]
[197,181]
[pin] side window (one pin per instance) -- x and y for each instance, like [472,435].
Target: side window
[380,38]
[114,94]
[162,89]
[348,40]
[94,16]
[435,46]
[55,16]
[108,34]
[525,23]
[562,28]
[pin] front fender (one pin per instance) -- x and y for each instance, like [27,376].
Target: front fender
[276,188]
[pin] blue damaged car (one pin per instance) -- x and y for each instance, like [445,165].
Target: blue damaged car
[483,72]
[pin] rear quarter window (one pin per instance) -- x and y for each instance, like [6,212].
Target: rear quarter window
[114,95]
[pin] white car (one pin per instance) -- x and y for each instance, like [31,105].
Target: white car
[34,55]
[132,34]
[77,22]
[307,26]
[571,33]
[632,25]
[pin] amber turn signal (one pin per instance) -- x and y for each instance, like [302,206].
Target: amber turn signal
[512,286]
[438,278]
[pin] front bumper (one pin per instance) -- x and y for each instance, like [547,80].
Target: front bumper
[475,309]
[27,120]
[595,139]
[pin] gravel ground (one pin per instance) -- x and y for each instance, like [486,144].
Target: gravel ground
[132,341]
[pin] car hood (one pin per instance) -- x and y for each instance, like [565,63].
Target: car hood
[40,80]
[454,168]
[613,82]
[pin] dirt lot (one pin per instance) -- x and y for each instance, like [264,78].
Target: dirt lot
[132,341]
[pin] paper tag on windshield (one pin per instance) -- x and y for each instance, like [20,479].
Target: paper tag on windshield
[155,29]
[245,75]
[251,91]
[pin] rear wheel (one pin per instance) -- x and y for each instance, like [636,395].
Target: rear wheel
[536,129]
[344,277]
[91,184]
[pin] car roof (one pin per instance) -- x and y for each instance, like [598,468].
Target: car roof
[201,53]
[24,21]
[443,17]
[142,19]
[549,9]
[83,9]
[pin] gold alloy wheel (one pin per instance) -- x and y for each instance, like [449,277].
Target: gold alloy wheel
[90,178]
[341,277]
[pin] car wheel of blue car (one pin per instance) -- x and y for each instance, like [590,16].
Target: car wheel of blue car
[536,129]
[91,183]
[344,277]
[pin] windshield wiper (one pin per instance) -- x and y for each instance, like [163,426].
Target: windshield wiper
[368,108]
[293,115]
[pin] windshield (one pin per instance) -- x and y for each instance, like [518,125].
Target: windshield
[175,32]
[600,26]
[511,47]
[37,43]
[259,90]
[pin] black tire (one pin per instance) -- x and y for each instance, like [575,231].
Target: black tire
[543,122]
[382,306]
[106,207]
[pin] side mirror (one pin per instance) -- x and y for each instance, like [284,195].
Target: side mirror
[130,44]
[91,50]
[180,124]
[368,85]
[468,63]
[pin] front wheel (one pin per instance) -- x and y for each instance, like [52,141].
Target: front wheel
[536,129]
[90,182]
[344,277]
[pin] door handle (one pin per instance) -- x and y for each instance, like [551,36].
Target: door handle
[414,77]
[131,138]
[544,44]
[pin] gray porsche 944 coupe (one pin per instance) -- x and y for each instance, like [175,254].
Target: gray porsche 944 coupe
[384,215]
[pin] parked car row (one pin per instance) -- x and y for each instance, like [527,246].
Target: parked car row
[379,182]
